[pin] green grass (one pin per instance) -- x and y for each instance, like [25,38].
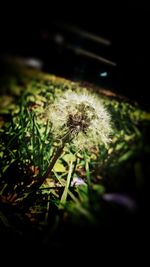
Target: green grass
[27,146]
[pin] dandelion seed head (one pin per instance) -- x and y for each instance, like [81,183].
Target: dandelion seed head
[84,116]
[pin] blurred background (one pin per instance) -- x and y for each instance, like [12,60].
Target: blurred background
[104,44]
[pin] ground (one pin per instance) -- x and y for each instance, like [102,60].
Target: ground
[107,188]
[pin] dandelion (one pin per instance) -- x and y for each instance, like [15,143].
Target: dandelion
[82,117]
[79,119]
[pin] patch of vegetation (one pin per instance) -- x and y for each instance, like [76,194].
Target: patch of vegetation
[74,192]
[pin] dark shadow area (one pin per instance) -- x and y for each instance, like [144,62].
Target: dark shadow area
[46,34]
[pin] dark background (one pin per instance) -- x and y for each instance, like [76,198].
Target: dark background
[27,31]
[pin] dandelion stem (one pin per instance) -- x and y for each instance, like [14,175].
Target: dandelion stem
[34,187]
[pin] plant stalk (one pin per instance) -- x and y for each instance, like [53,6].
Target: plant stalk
[34,187]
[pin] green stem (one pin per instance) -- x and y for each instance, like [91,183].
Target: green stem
[64,195]
[88,178]
[36,186]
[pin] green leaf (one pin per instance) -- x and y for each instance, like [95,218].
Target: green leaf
[120,146]
[82,191]
[5,168]
[59,167]
[1,154]
[69,158]
[65,192]
[126,156]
